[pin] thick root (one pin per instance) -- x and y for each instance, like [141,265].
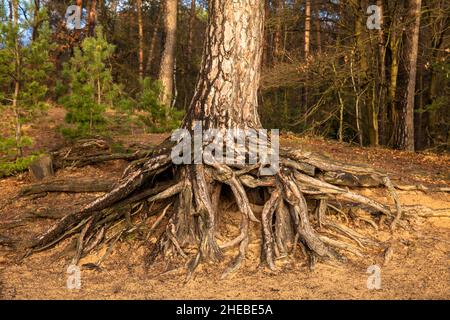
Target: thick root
[296,214]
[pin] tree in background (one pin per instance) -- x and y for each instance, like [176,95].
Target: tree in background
[151,112]
[166,71]
[25,66]
[90,88]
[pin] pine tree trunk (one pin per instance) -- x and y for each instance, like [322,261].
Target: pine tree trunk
[192,15]
[226,93]
[382,112]
[168,58]
[405,135]
[92,18]
[17,77]
[141,40]
[437,44]
[393,81]
[36,22]
[151,50]
[277,51]
[307,28]
[317,25]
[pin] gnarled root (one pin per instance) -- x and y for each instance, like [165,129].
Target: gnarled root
[297,212]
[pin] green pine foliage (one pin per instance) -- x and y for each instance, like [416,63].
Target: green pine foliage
[9,168]
[36,68]
[156,116]
[31,73]
[90,88]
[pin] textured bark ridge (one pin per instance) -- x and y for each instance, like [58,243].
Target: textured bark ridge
[297,203]
[226,95]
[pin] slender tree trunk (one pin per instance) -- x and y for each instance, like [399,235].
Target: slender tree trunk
[226,94]
[437,43]
[168,58]
[192,17]
[357,105]
[17,77]
[317,25]
[277,51]
[92,18]
[36,22]
[151,51]
[10,4]
[405,137]
[99,92]
[382,109]
[307,28]
[267,51]
[141,39]
[365,81]
[393,81]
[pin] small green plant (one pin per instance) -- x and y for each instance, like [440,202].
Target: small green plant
[10,168]
[24,71]
[90,88]
[156,116]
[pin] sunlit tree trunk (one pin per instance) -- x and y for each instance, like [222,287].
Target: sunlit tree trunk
[226,93]
[17,76]
[168,58]
[36,22]
[92,18]
[307,27]
[141,39]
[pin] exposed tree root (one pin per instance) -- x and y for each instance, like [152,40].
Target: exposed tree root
[299,202]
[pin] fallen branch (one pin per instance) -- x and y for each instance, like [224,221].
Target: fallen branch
[69,186]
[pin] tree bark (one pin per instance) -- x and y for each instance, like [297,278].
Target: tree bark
[17,77]
[440,23]
[382,112]
[192,16]
[405,137]
[141,40]
[36,22]
[277,52]
[168,58]
[151,50]
[394,46]
[307,28]
[226,93]
[92,18]
[317,25]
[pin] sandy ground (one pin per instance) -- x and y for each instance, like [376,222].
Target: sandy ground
[419,268]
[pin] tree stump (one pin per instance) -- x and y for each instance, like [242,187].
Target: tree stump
[42,168]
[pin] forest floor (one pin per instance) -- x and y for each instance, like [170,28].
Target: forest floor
[419,268]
